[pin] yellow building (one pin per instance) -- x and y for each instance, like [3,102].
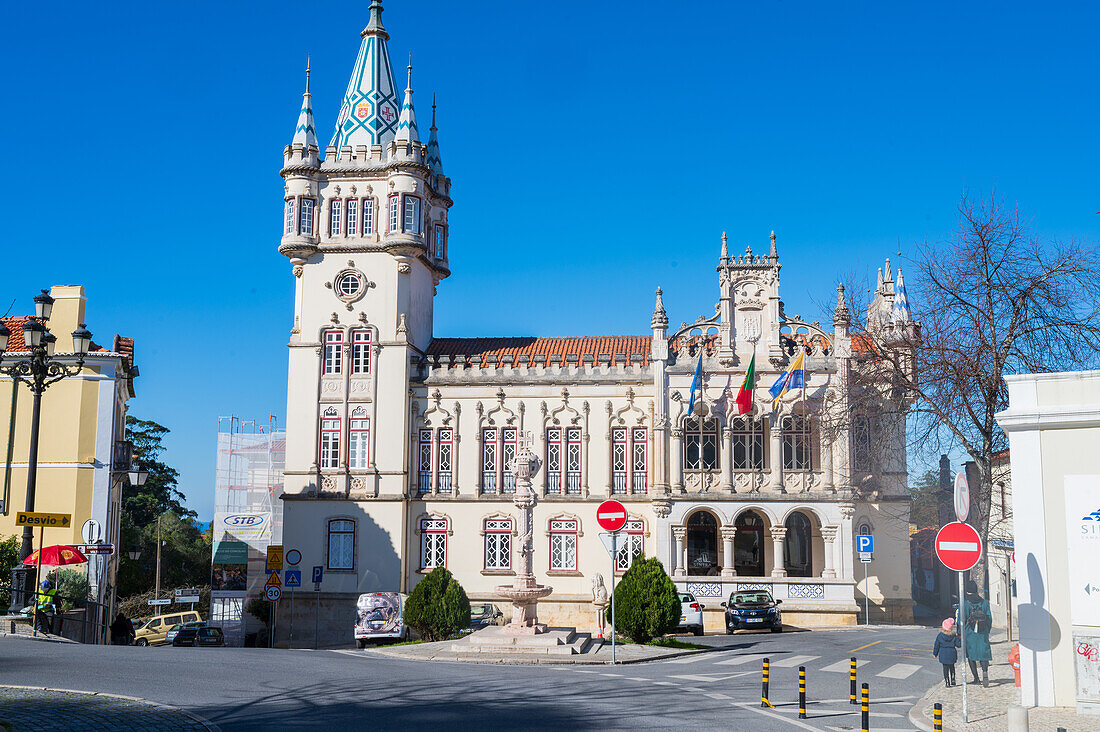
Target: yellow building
[82,452]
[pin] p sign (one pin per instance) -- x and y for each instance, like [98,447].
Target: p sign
[865,544]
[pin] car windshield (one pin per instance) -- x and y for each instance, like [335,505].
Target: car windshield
[751,598]
[479,609]
[685,597]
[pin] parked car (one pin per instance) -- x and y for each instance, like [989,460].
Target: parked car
[171,634]
[691,614]
[484,614]
[156,628]
[754,610]
[199,636]
[378,616]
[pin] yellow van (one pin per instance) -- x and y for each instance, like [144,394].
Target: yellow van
[156,628]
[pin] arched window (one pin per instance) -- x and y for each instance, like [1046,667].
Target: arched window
[797,554]
[748,443]
[702,544]
[748,545]
[700,444]
[796,443]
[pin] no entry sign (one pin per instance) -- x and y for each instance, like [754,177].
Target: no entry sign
[958,546]
[611,515]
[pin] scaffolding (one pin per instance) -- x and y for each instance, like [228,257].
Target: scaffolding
[248,517]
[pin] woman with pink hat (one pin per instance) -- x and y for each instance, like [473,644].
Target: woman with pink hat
[945,650]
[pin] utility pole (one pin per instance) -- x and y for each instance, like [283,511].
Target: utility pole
[157,592]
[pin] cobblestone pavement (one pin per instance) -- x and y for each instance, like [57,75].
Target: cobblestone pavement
[988,707]
[28,708]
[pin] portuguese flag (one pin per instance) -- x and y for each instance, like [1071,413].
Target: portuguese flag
[744,394]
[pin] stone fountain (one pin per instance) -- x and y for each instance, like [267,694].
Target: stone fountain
[524,634]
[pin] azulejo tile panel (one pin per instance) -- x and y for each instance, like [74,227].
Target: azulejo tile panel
[705,589]
[750,586]
[800,591]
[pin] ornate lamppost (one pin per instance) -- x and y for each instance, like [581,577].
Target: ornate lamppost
[38,368]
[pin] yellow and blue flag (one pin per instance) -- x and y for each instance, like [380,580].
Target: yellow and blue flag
[696,382]
[793,378]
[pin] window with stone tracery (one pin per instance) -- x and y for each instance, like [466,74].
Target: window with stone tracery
[563,545]
[563,460]
[498,449]
[700,444]
[433,543]
[748,443]
[489,453]
[498,544]
[796,443]
[630,544]
[424,462]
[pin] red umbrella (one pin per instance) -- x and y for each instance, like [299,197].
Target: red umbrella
[57,556]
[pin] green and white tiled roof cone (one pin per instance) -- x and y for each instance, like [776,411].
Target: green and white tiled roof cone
[435,162]
[305,133]
[406,125]
[369,113]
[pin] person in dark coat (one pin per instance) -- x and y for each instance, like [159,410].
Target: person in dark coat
[978,624]
[945,650]
[122,631]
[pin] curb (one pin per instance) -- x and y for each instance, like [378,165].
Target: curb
[194,718]
[548,661]
[41,637]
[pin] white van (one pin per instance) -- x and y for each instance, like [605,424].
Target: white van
[378,615]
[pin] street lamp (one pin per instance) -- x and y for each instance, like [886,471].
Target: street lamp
[134,552]
[38,369]
[138,475]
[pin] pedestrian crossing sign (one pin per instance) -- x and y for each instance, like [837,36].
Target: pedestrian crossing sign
[293,578]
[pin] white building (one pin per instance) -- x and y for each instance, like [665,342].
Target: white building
[398,441]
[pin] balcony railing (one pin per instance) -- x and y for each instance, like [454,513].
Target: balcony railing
[489,481]
[641,481]
[509,483]
[553,482]
[573,484]
[618,483]
[425,483]
[445,483]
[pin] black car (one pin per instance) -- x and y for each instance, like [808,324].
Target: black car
[484,614]
[199,637]
[753,610]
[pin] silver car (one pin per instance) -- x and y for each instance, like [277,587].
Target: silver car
[691,614]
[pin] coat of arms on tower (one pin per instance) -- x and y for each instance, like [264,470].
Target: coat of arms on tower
[387,113]
[362,111]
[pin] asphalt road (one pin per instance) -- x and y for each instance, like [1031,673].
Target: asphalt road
[252,689]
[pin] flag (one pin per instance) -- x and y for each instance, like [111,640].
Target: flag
[696,382]
[744,394]
[793,378]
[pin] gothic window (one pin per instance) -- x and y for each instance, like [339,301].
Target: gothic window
[412,215]
[333,353]
[335,220]
[358,439]
[861,443]
[702,544]
[796,443]
[368,216]
[440,239]
[748,443]
[618,460]
[498,543]
[509,441]
[353,216]
[563,460]
[446,458]
[701,444]
[433,543]
[341,544]
[395,212]
[306,225]
[289,216]
[563,545]
[360,352]
[797,554]
[639,465]
[630,544]
[424,462]
[748,545]
[329,457]
[489,454]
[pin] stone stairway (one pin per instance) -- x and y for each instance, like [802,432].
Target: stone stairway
[554,642]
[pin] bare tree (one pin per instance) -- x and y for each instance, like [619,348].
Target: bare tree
[993,299]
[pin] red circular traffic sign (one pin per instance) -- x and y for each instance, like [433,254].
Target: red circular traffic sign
[611,515]
[958,546]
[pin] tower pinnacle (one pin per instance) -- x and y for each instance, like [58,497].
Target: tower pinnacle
[406,125]
[305,133]
[435,162]
[368,114]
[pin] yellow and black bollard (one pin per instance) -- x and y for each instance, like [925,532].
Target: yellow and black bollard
[801,692]
[865,710]
[852,683]
[937,717]
[764,686]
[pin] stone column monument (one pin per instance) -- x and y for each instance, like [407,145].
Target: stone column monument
[524,592]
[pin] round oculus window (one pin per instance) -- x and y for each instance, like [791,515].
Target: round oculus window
[349,285]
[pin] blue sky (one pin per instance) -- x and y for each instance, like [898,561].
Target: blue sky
[596,149]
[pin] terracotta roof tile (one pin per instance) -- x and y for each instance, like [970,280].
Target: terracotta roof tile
[620,349]
[121,345]
[15,340]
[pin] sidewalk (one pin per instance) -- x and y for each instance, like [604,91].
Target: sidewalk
[39,709]
[597,652]
[23,629]
[988,707]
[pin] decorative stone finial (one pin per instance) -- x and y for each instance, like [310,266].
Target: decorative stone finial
[773,254]
[841,316]
[725,250]
[660,319]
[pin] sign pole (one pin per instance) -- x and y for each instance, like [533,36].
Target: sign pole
[1008,592]
[37,583]
[316,615]
[866,597]
[614,557]
[962,641]
[290,643]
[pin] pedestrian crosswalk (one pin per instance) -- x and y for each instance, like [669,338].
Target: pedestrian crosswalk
[897,671]
[844,666]
[792,661]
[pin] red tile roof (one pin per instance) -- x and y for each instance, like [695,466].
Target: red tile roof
[15,340]
[620,349]
[15,344]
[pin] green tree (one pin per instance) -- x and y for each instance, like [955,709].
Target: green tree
[437,607]
[9,557]
[72,587]
[924,510]
[646,603]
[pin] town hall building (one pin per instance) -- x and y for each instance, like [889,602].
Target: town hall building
[398,441]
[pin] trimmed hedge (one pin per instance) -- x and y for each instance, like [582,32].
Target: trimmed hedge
[646,603]
[437,607]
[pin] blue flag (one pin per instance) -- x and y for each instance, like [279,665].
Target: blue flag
[696,383]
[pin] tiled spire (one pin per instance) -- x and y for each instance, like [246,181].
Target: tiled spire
[305,134]
[406,125]
[435,162]
[901,301]
[368,115]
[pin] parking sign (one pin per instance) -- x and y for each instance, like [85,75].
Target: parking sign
[318,573]
[865,543]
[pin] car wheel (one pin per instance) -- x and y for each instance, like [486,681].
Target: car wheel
[777,629]
[141,642]
[361,642]
[697,630]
